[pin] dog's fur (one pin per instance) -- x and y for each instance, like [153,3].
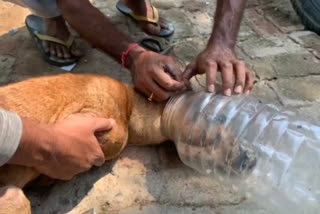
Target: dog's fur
[51,98]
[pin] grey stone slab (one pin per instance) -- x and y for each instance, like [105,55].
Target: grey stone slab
[104,4]
[6,67]
[309,40]
[202,21]
[263,68]
[298,91]
[183,26]
[168,209]
[165,4]
[261,90]
[296,65]
[312,110]
[255,46]
[186,50]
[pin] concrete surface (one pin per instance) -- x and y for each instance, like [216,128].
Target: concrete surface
[285,59]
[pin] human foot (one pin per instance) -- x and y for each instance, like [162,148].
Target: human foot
[144,8]
[57,28]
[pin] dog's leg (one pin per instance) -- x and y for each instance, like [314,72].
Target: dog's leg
[12,200]
[17,175]
[113,142]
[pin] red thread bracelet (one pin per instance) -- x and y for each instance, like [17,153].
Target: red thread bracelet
[125,53]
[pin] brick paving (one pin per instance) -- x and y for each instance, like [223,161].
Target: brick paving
[284,57]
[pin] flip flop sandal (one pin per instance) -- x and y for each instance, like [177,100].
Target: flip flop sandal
[128,12]
[36,28]
[155,45]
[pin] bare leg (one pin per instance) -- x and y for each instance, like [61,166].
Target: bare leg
[143,8]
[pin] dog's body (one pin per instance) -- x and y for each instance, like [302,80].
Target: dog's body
[48,99]
[138,121]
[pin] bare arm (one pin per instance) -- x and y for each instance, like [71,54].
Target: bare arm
[93,26]
[227,23]
[150,71]
[219,55]
[61,150]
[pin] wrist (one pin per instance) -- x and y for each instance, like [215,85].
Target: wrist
[219,41]
[33,147]
[132,56]
[220,49]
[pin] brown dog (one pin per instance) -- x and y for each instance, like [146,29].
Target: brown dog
[51,98]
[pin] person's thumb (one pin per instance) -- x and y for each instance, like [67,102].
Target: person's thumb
[103,124]
[189,71]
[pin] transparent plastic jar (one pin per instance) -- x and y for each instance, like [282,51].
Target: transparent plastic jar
[259,148]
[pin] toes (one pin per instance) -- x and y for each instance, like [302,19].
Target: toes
[76,51]
[59,51]
[153,29]
[52,50]
[65,52]
[163,23]
[46,46]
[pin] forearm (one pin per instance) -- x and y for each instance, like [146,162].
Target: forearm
[33,148]
[93,26]
[227,23]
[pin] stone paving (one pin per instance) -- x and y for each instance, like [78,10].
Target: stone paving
[284,57]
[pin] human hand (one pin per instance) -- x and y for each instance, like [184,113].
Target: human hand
[224,60]
[63,149]
[156,74]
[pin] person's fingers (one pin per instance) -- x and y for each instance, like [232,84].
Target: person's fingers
[227,74]
[159,94]
[65,177]
[166,82]
[58,173]
[99,158]
[189,71]
[172,69]
[249,81]
[103,124]
[211,75]
[240,76]
[152,28]
[143,90]
[149,87]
